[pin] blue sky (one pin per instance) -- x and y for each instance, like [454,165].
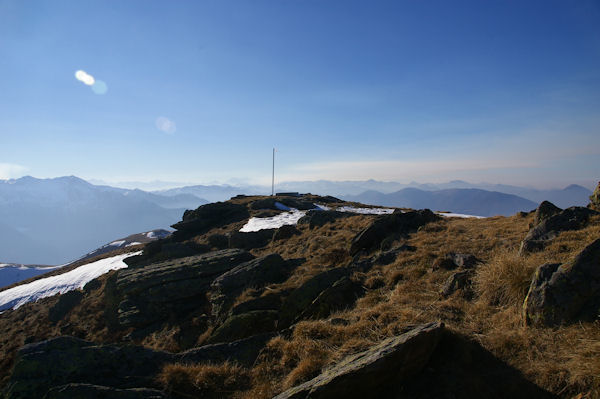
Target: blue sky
[201,91]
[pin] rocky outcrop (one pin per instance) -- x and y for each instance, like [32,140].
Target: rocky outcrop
[341,295]
[67,367]
[285,232]
[398,223]
[64,360]
[211,215]
[539,236]
[300,298]
[545,211]
[244,325]
[252,274]
[364,375]
[66,302]
[595,199]
[458,281]
[250,240]
[318,218]
[452,260]
[161,290]
[90,391]
[387,257]
[565,293]
[426,362]
[270,301]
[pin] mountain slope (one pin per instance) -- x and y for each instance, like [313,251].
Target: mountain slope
[54,221]
[468,201]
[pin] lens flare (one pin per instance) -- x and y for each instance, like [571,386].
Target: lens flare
[85,77]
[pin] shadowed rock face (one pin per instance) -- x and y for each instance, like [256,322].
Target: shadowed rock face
[68,367]
[573,218]
[160,290]
[426,362]
[318,218]
[544,211]
[398,223]
[211,215]
[565,293]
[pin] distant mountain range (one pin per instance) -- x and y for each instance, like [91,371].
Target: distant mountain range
[54,221]
[460,200]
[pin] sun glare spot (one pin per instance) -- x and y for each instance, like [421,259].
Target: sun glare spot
[84,77]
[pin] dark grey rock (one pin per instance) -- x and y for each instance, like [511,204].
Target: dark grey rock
[244,325]
[387,257]
[285,232]
[211,215]
[453,260]
[300,298]
[243,351]
[398,223]
[364,374]
[573,218]
[250,240]
[89,391]
[157,291]
[318,218]
[562,294]
[457,281]
[544,211]
[341,295]
[270,301]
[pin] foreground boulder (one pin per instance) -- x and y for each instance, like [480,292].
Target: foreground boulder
[545,211]
[64,360]
[426,362]
[397,224]
[396,359]
[573,218]
[565,293]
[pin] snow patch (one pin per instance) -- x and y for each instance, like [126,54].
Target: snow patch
[117,243]
[273,222]
[366,211]
[49,286]
[150,234]
[133,243]
[459,215]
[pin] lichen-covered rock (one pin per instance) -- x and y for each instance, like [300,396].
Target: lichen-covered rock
[341,295]
[300,298]
[595,199]
[245,325]
[573,218]
[157,291]
[256,273]
[64,360]
[318,218]
[364,374]
[398,223]
[565,293]
[211,215]
[544,211]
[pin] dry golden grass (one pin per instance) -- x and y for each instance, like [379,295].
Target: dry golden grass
[204,380]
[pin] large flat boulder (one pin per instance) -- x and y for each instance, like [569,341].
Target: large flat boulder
[398,223]
[64,360]
[362,375]
[255,273]
[561,294]
[159,290]
[211,215]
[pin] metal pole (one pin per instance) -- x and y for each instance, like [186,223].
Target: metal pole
[273,175]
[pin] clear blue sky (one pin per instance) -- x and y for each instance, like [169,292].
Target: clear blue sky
[497,91]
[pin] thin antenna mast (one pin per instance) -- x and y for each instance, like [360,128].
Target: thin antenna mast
[273,175]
